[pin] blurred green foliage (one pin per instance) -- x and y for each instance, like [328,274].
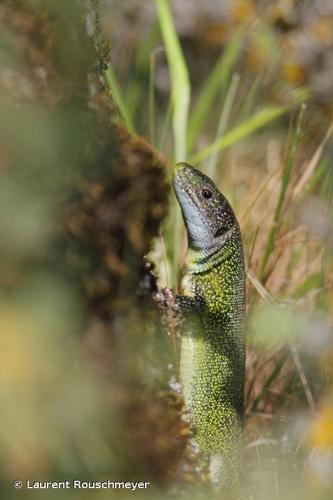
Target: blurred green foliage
[82,366]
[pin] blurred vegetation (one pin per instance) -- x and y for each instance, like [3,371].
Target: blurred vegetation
[83,366]
[88,377]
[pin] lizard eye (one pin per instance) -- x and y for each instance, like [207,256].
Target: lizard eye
[220,231]
[207,193]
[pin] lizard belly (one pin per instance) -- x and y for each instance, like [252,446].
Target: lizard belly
[188,362]
[209,384]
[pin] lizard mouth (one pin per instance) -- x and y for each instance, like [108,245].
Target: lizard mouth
[184,190]
[184,181]
[188,206]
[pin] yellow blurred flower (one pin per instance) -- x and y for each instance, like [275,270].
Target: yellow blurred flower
[18,361]
[322,30]
[260,50]
[216,34]
[293,73]
[243,11]
[321,435]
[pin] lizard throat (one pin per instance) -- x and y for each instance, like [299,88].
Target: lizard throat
[200,261]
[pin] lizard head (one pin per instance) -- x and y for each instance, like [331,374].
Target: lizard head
[208,216]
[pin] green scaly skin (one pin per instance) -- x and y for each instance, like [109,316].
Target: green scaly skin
[213,302]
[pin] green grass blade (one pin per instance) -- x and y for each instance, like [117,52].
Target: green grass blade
[151,92]
[218,79]
[180,95]
[316,178]
[223,122]
[118,98]
[251,97]
[165,126]
[312,282]
[270,381]
[240,132]
[151,98]
[283,191]
[135,89]
[180,85]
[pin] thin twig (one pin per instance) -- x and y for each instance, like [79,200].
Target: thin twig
[311,166]
[303,377]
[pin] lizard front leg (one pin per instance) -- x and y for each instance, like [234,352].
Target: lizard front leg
[180,303]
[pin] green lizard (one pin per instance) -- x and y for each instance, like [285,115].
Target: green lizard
[213,302]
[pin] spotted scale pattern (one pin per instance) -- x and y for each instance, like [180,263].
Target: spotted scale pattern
[213,302]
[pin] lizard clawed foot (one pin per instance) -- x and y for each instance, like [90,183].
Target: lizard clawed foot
[166,298]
